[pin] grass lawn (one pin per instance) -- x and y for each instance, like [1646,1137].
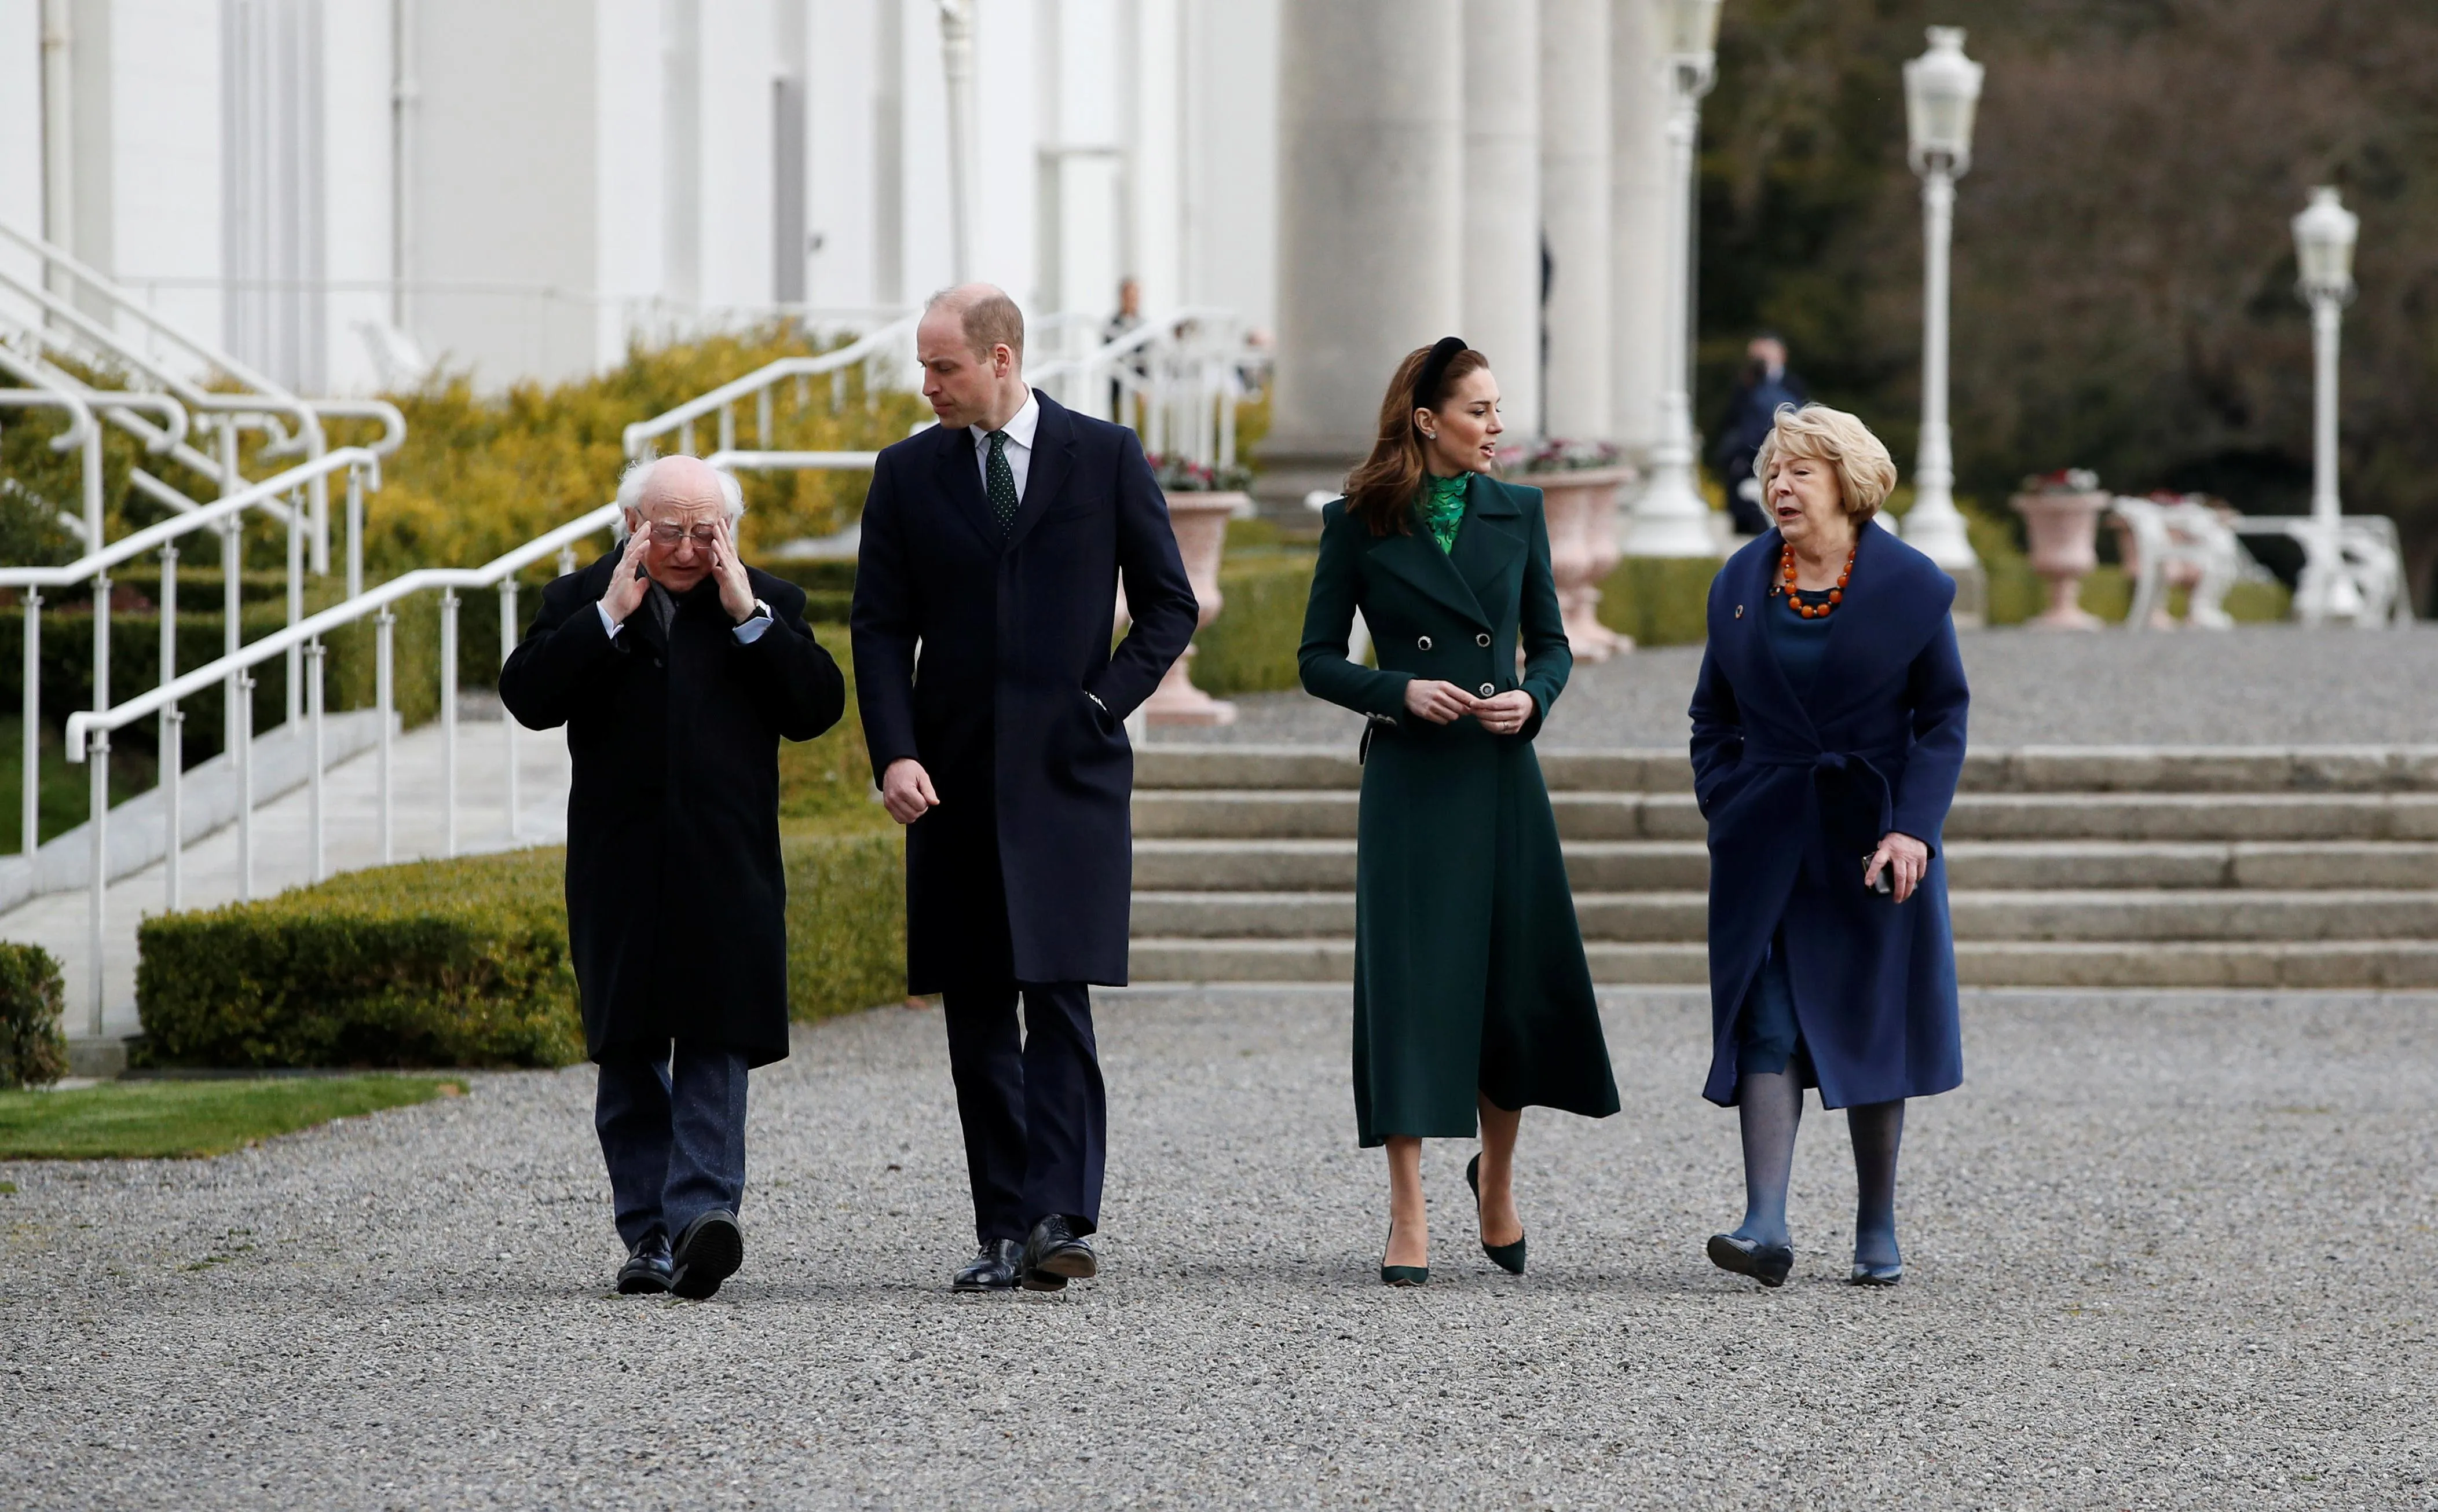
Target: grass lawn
[153,1120]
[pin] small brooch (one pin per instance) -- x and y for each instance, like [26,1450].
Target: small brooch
[1739,611]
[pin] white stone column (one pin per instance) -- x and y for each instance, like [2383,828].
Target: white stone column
[1575,215]
[1370,222]
[1501,255]
[1638,225]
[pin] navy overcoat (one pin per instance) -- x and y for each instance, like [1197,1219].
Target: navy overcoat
[974,652]
[1797,792]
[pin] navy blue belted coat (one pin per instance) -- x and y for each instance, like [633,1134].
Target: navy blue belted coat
[1798,790]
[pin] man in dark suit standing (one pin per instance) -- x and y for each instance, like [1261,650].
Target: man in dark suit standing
[996,542]
[677,670]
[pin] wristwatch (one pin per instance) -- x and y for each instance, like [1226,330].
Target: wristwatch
[761,611]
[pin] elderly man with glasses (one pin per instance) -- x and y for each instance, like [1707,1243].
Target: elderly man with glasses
[677,670]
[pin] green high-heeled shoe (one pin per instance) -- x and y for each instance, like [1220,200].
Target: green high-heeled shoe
[1508,1258]
[1401,1275]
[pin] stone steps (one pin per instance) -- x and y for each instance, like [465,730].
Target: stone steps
[2120,916]
[2134,868]
[1307,814]
[2390,966]
[1324,865]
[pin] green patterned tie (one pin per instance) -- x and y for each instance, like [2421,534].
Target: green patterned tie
[1001,485]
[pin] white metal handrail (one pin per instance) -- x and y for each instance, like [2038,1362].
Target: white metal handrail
[89,731]
[265,397]
[756,385]
[1186,371]
[221,516]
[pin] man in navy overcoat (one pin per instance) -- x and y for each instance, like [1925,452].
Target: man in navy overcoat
[984,606]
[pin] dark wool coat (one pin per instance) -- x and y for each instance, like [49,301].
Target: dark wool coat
[1469,971]
[675,899]
[1797,792]
[1025,871]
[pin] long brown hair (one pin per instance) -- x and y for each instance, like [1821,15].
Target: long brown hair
[1381,492]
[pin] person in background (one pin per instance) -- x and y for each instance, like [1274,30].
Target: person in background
[1128,317]
[677,670]
[1761,388]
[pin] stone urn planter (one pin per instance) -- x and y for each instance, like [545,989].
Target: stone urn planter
[1200,521]
[2063,527]
[1582,506]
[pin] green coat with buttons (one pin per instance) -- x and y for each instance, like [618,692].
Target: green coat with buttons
[1469,969]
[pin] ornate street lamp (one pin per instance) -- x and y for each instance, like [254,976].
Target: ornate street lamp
[1671,519]
[1942,88]
[2323,250]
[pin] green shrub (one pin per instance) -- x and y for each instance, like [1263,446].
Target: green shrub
[846,921]
[1251,647]
[465,963]
[33,1048]
[1659,600]
[458,962]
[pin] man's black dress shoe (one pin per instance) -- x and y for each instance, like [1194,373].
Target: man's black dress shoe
[1055,1254]
[646,1271]
[994,1268]
[707,1253]
[1765,1263]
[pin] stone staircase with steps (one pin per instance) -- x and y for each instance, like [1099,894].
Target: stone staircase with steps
[2089,867]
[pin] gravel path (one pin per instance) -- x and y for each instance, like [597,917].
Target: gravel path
[2259,685]
[2164,1251]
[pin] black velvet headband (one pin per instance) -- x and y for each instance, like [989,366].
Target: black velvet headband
[1427,382]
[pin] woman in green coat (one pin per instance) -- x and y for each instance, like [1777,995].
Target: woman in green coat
[1472,997]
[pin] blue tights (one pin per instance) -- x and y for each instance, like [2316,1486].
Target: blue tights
[1769,1107]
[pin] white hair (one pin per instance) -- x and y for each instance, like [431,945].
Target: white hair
[638,475]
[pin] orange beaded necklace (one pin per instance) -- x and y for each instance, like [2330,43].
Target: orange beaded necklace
[1836,595]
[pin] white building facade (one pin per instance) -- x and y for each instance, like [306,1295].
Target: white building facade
[346,191]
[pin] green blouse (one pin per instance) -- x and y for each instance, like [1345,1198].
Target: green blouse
[1441,506]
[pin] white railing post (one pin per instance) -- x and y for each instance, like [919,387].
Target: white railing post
[314,652]
[241,734]
[31,777]
[232,613]
[762,418]
[507,722]
[355,531]
[728,428]
[449,721]
[100,642]
[296,527]
[97,752]
[384,704]
[172,747]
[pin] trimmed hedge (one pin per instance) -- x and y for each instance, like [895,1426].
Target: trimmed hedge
[1659,600]
[465,963]
[458,962]
[1251,647]
[33,1047]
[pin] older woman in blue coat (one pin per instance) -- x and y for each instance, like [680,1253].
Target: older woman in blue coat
[1828,737]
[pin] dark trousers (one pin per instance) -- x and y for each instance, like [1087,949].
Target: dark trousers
[1035,1114]
[672,1132]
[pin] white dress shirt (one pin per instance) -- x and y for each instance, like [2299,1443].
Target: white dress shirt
[746,634]
[1020,445]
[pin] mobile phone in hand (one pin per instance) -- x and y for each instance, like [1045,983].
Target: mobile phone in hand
[1884,885]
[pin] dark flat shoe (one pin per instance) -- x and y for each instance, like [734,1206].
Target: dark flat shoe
[1765,1263]
[1054,1255]
[995,1267]
[1401,1275]
[1878,1274]
[646,1272]
[706,1253]
[1507,1257]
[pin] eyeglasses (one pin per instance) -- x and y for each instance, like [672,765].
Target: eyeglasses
[671,534]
